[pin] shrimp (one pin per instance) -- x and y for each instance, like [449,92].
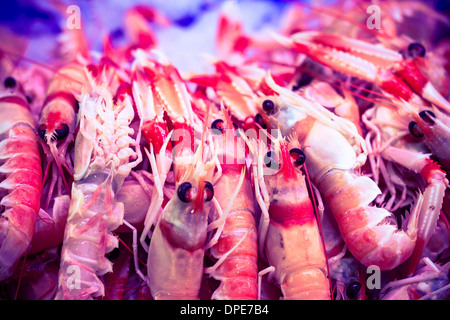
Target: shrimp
[103,152]
[50,225]
[116,281]
[234,244]
[435,133]
[177,246]
[292,243]
[20,174]
[155,131]
[325,95]
[346,279]
[398,141]
[172,94]
[396,75]
[231,88]
[331,145]
[57,124]
[58,119]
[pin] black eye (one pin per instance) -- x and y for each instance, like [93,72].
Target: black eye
[269,160]
[304,80]
[427,116]
[415,49]
[218,127]
[184,192]
[62,132]
[268,107]
[41,132]
[10,82]
[298,156]
[415,130]
[259,120]
[209,191]
[353,290]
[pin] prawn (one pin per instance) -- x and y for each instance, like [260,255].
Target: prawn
[177,246]
[368,232]
[20,174]
[235,243]
[292,242]
[103,149]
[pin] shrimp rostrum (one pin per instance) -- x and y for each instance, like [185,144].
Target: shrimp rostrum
[105,153]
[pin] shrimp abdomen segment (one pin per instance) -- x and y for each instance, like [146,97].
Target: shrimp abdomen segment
[20,187]
[238,273]
[382,244]
[299,269]
[238,241]
[371,233]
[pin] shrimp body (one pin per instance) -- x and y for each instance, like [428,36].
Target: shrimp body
[330,144]
[102,161]
[21,179]
[58,122]
[177,247]
[293,244]
[237,246]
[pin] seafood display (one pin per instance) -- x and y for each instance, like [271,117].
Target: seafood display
[305,161]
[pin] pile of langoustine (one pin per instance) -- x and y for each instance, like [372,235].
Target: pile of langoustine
[265,179]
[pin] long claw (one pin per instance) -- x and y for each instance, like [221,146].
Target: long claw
[428,215]
[366,61]
[430,93]
[350,56]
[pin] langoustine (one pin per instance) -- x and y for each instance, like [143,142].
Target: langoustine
[240,91]
[292,240]
[103,149]
[21,173]
[235,242]
[179,238]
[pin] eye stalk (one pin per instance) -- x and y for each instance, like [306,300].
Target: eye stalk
[184,192]
[298,156]
[415,130]
[218,126]
[209,191]
[62,132]
[41,132]
[428,117]
[269,107]
[416,49]
[10,82]
[353,290]
[259,120]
